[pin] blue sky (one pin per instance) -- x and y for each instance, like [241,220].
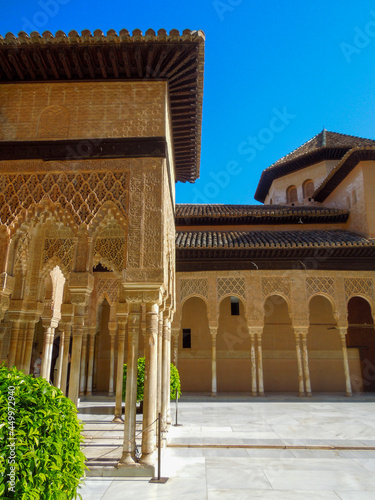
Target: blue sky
[276,73]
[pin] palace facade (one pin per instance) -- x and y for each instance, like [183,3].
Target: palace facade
[98,263]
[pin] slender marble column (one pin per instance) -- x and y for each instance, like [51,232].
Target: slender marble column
[120,369]
[305,358]
[61,357]
[134,323]
[65,361]
[254,387]
[174,338]
[28,347]
[301,384]
[169,417]
[160,361]
[20,345]
[149,405]
[90,367]
[166,370]
[213,332]
[260,364]
[82,383]
[49,335]
[112,333]
[13,343]
[75,365]
[343,331]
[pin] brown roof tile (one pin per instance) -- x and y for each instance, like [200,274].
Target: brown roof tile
[324,146]
[270,239]
[174,57]
[191,214]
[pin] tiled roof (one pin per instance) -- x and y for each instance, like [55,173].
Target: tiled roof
[342,169]
[324,146]
[270,239]
[174,57]
[190,214]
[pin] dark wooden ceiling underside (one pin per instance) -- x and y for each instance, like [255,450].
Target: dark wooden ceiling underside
[174,58]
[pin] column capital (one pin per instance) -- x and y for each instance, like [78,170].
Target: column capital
[81,284]
[254,330]
[301,330]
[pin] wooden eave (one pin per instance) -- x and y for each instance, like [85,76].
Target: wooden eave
[175,58]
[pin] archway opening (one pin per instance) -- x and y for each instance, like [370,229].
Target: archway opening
[279,347]
[324,348]
[361,339]
[194,358]
[233,348]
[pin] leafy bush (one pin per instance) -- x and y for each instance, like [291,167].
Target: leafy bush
[175,380]
[43,455]
[140,379]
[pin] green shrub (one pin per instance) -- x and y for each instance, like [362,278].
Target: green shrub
[175,380]
[43,455]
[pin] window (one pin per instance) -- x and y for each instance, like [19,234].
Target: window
[308,189]
[291,195]
[234,306]
[186,338]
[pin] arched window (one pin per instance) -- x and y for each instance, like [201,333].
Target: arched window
[308,188]
[291,195]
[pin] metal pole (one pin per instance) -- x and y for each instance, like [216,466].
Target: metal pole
[159,445]
[177,424]
[159,479]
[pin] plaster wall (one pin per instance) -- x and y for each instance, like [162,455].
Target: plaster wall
[317,172]
[77,110]
[350,194]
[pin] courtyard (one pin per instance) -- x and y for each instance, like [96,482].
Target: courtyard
[279,447]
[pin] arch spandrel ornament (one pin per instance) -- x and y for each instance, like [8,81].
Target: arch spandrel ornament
[363,287]
[193,287]
[321,286]
[275,285]
[231,286]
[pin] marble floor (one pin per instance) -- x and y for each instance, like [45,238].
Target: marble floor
[321,448]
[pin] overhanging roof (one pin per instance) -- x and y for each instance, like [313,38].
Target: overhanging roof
[176,58]
[217,214]
[344,167]
[324,146]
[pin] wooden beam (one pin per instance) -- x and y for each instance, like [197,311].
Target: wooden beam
[13,59]
[112,56]
[172,61]
[27,62]
[126,63]
[149,62]
[76,64]
[40,64]
[52,63]
[101,62]
[62,57]
[5,65]
[182,63]
[162,57]
[88,60]
[138,60]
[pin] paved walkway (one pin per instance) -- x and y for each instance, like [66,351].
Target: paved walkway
[240,448]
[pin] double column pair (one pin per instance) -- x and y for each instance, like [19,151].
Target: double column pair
[152,391]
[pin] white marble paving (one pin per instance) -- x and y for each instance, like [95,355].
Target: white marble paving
[229,471]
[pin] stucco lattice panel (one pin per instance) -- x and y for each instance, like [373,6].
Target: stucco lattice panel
[359,286]
[107,288]
[320,285]
[80,193]
[111,250]
[275,285]
[195,286]
[61,248]
[230,286]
